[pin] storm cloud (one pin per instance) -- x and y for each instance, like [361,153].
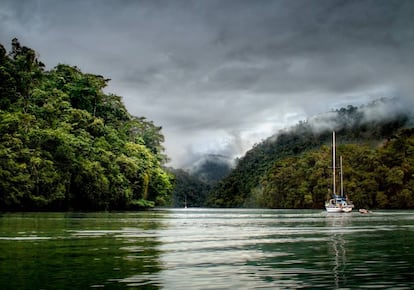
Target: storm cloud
[220,76]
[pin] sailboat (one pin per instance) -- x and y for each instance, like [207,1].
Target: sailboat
[337,203]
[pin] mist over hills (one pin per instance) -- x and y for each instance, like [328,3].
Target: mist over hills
[212,168]
[369,124]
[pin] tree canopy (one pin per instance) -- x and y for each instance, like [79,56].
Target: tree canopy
[373,177]
[291,170]
[65,144]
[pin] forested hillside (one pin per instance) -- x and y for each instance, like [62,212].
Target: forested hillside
[291,170]
[192,186]
[374,178]
[65,144]
[189,190]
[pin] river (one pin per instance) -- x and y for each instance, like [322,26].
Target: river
[207,249]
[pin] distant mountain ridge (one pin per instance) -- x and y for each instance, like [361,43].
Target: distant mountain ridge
[193,185]
[370,124]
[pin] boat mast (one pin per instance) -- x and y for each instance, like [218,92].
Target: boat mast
[342,178]
[333,162]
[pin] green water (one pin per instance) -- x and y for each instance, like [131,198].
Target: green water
[207,249]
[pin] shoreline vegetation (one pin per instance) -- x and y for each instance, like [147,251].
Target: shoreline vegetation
[67,145]
[292,170]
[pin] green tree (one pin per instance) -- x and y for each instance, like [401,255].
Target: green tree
[66,144]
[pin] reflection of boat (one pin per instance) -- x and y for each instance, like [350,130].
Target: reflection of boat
[338,203]
[338,247]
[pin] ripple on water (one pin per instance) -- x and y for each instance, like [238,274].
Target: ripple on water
[214,249]
[25,238]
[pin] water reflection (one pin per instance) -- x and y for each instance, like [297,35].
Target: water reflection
[206,249]
[237,249]
[337,224]
[77,250]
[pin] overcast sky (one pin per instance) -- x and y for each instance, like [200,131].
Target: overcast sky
[219,76]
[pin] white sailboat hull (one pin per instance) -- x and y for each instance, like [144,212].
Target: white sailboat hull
[338,209]
[334,209]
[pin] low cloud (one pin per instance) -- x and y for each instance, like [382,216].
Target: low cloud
[219,76]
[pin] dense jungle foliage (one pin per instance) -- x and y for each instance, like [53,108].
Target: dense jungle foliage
[65,144]
[293,169]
